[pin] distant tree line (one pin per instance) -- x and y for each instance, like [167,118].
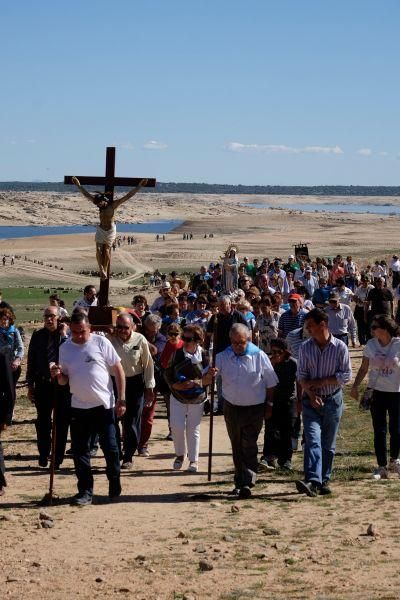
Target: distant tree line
[207,188]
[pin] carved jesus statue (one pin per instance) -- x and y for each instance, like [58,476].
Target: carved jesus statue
[106,231]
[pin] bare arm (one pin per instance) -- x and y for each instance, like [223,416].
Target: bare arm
[82,189]
[119,375]
[362,371]
[129,195]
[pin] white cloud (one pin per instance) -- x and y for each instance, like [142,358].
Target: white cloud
[154,145]
[364,151]
[282,149]
[383,153]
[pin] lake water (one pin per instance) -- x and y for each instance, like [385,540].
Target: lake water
[378,209]
[21,231]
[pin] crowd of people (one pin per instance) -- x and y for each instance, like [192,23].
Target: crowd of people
[270,336]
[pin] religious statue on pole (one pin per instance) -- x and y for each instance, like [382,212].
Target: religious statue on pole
[230,268]
[106,231]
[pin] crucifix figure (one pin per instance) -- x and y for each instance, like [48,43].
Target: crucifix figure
[106,230]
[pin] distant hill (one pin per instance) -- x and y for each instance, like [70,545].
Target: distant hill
[207,188]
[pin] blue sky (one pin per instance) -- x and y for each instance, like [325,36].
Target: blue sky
[260,92]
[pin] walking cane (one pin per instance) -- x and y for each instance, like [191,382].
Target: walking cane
[48,498]
[210,439]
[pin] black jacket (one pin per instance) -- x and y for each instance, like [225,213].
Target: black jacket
[38,363]
[7,391]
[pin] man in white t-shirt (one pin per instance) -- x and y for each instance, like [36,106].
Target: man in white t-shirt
[87,362]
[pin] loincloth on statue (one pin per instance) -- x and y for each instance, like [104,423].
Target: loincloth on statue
[106,237]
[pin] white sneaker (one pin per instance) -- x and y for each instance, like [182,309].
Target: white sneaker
[394,465]
[380,473]
[193,467]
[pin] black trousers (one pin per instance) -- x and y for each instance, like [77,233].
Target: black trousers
[361,324]
[85,422]
[46,393]
[280,429]
[131,421]
[3,482]
[244,424]
[386,404]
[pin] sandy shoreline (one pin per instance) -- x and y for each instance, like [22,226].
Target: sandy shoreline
[258,232]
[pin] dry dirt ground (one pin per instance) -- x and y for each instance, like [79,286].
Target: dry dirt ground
[149,543]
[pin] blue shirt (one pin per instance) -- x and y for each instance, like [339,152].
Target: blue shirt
[288,321]
[245,377]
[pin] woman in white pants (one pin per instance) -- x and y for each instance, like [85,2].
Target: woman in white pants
[185,379]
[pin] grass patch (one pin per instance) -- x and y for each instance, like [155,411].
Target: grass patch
[29,302]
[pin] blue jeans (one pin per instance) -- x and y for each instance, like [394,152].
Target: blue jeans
[320,430]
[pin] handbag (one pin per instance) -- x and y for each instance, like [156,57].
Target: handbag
[368,396]
[366,399]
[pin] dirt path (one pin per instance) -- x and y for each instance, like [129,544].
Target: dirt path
[148,545]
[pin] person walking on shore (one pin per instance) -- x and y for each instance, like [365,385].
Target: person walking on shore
[87,362]
[323,368]
[381,360]
[248,380]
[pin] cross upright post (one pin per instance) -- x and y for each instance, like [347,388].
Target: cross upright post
[109,182]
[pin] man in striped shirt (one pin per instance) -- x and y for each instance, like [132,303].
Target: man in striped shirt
[292,318]
[323,369]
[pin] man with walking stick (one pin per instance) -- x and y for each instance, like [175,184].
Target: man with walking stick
[42,392]
[248,379]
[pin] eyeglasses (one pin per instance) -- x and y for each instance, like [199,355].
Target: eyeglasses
[187,339]
[122,327]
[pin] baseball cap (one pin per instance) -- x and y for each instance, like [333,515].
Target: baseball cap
[166,285]
[192,296]
[308,270]
[295,297]
[290,256]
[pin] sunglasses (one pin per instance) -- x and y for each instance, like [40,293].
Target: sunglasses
[173,334]
[187,339]
[122,327]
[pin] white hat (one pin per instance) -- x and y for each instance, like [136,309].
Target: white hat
[290,256]
[166,285]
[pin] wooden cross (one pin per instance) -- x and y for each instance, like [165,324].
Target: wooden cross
[109,182]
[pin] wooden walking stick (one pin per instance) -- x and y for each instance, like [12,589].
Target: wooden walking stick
[210,439]
[53,445]
[48,498]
